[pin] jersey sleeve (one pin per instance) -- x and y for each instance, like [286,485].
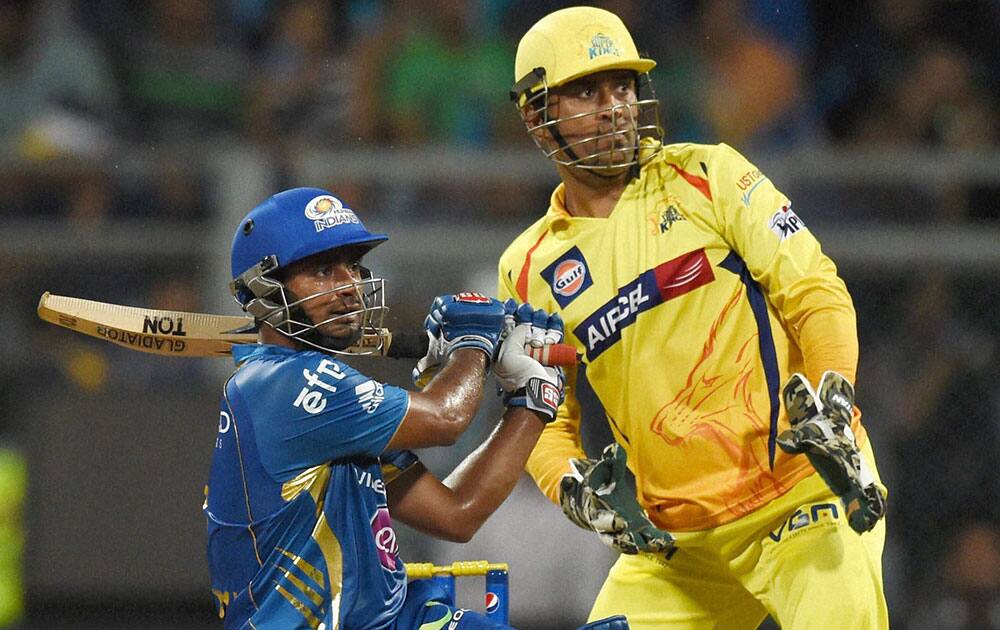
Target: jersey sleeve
[782,255]
[395,463]
[560,441]
[311,409]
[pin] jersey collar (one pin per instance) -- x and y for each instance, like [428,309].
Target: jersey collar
[245,352]
[557,203]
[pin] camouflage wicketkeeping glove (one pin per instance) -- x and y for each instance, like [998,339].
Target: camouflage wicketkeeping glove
[595,497]
[821,428]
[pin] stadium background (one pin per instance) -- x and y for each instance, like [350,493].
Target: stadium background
[135,135]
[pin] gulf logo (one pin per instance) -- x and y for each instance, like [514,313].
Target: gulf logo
[492,602]
[568,277]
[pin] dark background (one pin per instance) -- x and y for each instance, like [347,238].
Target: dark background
[136,135]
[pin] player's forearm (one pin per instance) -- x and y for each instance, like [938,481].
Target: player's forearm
[450,401]
[828,338]
[549,460]
[488,475]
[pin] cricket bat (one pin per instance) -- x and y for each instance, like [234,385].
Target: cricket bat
[181,334]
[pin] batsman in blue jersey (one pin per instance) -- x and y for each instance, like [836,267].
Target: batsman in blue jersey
[312,456]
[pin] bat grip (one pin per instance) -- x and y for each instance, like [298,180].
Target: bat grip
[555,355]
[409,345]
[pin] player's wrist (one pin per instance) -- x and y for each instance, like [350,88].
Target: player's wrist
[470,352]
[480,345]
[538,395]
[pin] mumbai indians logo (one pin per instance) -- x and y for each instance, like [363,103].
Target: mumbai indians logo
[327,211]
[492,602]
[601,45]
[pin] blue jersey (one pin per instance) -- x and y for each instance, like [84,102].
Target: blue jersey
[299,532]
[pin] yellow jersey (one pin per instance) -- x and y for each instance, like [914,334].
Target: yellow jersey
[691,305]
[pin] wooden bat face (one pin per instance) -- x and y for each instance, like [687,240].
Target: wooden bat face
[168,333]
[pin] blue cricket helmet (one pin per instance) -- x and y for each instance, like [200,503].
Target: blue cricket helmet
[288,227]
[293,225]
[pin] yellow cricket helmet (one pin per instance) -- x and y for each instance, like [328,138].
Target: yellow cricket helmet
[564,46]
[570,43]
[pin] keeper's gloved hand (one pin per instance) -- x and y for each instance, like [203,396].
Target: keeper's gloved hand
[463,320]
[595,497]
[524,381]
[821,428]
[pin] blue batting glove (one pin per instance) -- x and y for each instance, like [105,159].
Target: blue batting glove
[466,320]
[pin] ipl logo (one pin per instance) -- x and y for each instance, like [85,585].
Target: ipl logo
[785,223]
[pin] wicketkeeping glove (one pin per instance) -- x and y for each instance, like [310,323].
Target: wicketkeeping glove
[524,381]
[595,497]
[821,428]
[463,320]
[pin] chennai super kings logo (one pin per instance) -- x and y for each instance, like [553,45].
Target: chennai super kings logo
[327,211]
[601,45]
[663,218]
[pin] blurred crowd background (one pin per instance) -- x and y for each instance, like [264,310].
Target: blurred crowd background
[135,135]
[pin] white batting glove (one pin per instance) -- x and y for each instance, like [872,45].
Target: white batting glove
[524,381]
[430,363]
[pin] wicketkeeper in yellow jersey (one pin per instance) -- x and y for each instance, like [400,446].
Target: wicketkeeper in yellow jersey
[722,345]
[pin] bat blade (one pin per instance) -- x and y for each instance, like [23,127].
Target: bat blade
[167,333]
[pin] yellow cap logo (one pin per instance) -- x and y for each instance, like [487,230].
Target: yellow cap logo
[601,45]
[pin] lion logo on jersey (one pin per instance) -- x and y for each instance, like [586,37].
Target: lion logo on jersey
[661,219]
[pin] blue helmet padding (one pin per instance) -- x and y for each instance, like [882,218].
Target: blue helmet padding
[281,228]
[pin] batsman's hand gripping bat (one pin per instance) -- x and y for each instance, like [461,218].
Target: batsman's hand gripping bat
[181,334]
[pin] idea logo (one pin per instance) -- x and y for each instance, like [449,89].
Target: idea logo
[385,538]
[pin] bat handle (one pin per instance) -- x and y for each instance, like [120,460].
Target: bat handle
[555,355]
[411,345]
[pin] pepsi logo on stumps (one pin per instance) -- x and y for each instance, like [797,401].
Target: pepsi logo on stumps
[492,602]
